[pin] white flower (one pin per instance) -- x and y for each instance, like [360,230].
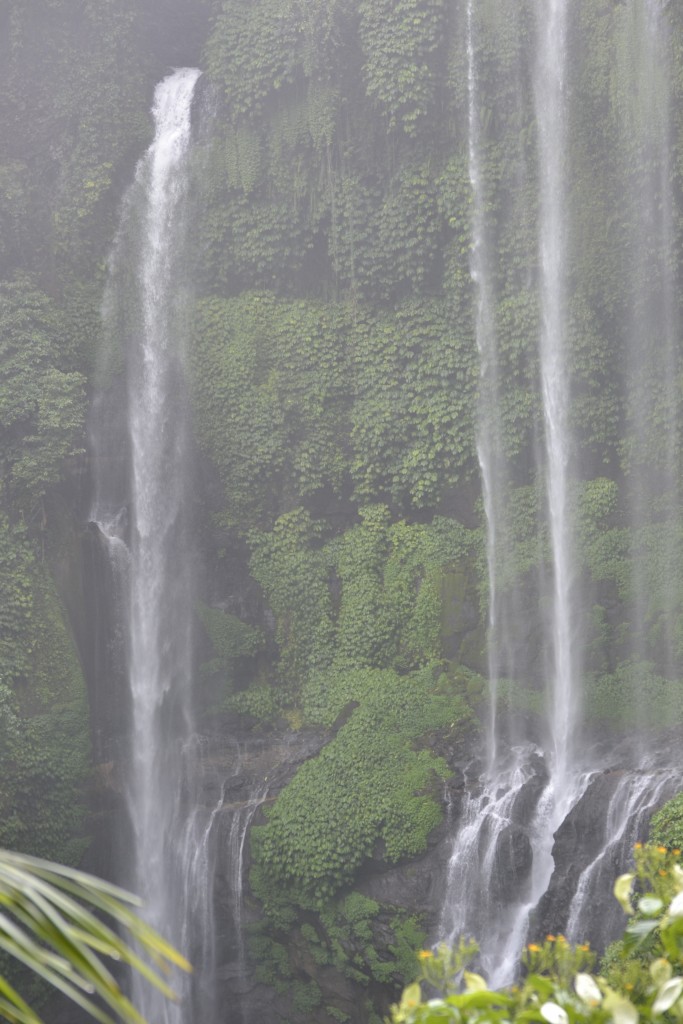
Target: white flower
[554,1014]
[587,989]
[667,995]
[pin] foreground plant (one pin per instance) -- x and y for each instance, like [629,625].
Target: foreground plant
[642,977]
[50,921]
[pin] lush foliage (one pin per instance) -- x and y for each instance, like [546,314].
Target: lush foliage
[299,401]
[666,827]
[42,702]
[361,792]
[41,406]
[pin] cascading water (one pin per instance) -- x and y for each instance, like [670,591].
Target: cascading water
[636,796]
[508,808]
[241,818]
[144,311]
[489,442]
[563,691]
[509,820]
[502,865]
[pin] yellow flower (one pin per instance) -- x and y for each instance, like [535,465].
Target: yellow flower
[661,849]
[637,846]
[676,853]
[586,946]
[561,938]
[425,954]
[550,938]
[662,872]
[533,948]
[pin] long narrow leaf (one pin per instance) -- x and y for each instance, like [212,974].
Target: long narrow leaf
[56,931]
[53,873]
[21,1009]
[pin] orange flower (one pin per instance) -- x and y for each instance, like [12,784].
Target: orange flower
[586,946]
[425,954]
[550,938]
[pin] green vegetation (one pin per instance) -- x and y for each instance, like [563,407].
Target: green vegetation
[360,791]
[666,827]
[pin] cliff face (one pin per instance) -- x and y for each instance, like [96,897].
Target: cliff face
[335,375]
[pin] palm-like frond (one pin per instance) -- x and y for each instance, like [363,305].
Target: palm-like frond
[50,921]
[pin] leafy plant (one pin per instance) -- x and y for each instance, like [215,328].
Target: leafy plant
[50,920]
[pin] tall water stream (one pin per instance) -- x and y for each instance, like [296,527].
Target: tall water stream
[143,513]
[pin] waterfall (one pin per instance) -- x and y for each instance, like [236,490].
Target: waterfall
[555,382]
[637,795]
[240,823]
[489,446]
[501,861]
[144,314]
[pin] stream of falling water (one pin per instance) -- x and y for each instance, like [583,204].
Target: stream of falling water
[502,861]
[171,831]
[489,446]
[563,691]
[242,817]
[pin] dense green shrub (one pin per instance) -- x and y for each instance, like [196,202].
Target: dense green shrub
[42,408]
[362,791]
[666,827]
[43,714]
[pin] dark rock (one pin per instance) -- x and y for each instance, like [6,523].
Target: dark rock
[578,841]
[513,859]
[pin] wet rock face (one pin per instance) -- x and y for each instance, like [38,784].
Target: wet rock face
[577,842]
[513,859]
